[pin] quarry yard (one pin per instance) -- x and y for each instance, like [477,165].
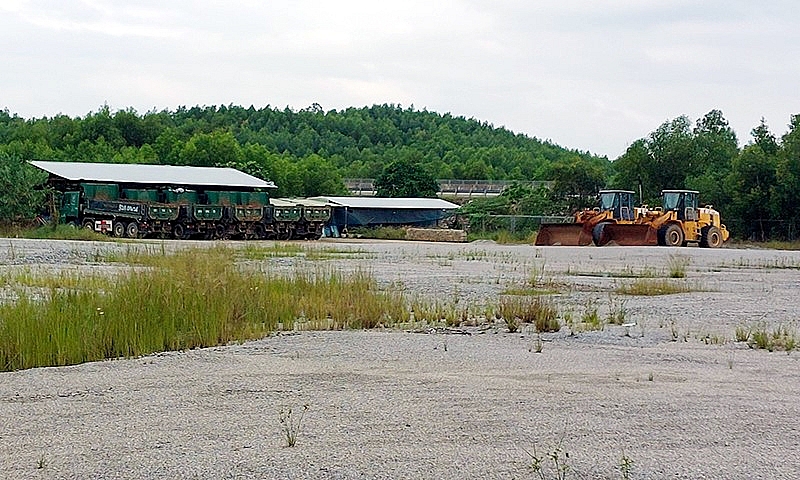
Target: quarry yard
[670,392]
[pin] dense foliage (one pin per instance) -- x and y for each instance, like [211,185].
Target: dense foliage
[756,188]
[308,152]
[404,178]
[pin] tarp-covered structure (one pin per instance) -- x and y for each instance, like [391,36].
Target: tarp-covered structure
[349,212]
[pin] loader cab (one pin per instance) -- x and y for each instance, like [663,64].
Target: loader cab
[683,202]
[619,202]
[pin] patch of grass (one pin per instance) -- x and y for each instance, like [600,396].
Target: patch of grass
[194,298]
[627,272]
[742,333]
[771,245]
[504,237]
[539,311]
[676,265]
[438,312]
[277,250]
[538,283]
[652,287]
[512,323]
[380,233]
[64,232]
[779,338]
[590,319]
[617,313]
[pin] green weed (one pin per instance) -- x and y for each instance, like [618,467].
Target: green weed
[539,311]
[652,287]
[291,425]
[676,264]
[625,465]
[590,319]
[617,313]
[742,333]
[780,338]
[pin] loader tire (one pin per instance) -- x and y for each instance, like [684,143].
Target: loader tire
[597,234]
[671,236]
[711,237]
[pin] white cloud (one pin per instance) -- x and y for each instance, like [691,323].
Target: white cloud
[592,75]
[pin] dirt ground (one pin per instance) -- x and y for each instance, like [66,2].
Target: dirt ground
[672,392]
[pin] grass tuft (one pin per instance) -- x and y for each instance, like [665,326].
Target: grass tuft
[652,287]
[676,264]
[291,424]
[539,311]
[779,338]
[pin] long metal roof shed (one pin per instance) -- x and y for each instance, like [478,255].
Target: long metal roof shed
[151,174]
[392,203]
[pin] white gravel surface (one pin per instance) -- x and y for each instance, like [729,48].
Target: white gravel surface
[390,404]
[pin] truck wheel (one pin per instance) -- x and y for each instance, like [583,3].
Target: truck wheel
[119,229]
[178,231]
[88,224]
[132,231]
[672,235]
[711,237]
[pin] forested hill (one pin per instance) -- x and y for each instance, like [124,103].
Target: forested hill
[356,142]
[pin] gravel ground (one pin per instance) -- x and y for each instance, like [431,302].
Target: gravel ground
[391,404]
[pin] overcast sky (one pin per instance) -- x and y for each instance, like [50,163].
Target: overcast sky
[593,75]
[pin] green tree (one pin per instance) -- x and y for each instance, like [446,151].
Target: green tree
[209,149]
[404,178]
[752,183]
[22,195]
[576,182]
[787,208]
[318,177]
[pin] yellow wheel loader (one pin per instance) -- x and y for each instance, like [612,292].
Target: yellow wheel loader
[677,222]
[588,226]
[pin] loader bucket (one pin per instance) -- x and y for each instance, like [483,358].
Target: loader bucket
[626,234]
[565,234]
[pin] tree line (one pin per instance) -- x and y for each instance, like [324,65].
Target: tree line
[308,152]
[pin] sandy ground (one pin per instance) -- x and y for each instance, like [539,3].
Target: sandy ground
[392,404]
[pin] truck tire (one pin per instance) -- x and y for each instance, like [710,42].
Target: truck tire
[178,231]
[88,224]
[132,230]
[118,229]
[711,237]
[671,235]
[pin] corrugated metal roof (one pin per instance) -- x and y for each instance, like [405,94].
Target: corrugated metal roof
[282,202]
[378,202]
[152,174]
[308,202]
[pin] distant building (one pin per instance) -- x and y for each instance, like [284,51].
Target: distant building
[369,212]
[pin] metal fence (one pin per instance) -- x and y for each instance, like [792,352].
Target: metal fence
[515,224]
[447,187]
